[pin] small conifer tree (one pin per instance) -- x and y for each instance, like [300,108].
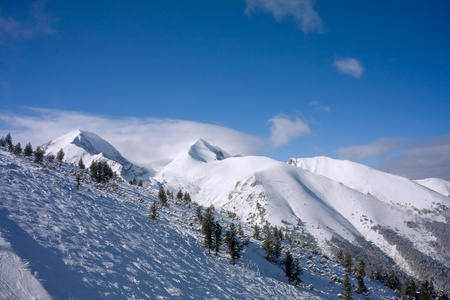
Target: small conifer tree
[179,195]
[297,271]
[348,263]
[256,233]
[78,180]
[50,158]
[208,224]
[217,236]
[81,164]
[17,149]
[28,150]
[288,263]
[360,273]
[162,196]
[60,156]
[154,211]
[9,144]
[233,243]
[347,286]
[187,197]
[38,155]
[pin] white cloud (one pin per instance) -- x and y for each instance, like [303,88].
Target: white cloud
[423,160]
[145,140]
[284,129]
[349,66]
[377,148]
[38,23]
[405,158]
[320,106]
[302,11]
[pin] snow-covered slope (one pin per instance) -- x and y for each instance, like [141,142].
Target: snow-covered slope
[436,184]
[331,199]
[90,147]
[386,187]
[97,242]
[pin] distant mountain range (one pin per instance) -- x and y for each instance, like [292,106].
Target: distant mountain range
[387,219]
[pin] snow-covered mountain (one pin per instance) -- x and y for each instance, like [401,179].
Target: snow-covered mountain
[98,242]
[436,184]
[339,203]
[328,205]
[90,147]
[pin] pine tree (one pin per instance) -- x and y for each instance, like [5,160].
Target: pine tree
[267,244]
[256,234]
[277,239]
[162,196]
[17,149]
[298,271]
[94,170]
[60,156]
[2,142]
[141,183]
[38,155]
[81,164]
[28,151]
[9,144]
[154,211]
[347,286]
[340,256]
[233,243]
[208,224]
[426,291]
[348,263]
[393,281]
[187,197]
[410,289]
[179,195]
[240,230]
[78,180]
[360,273]
[50,158]
[288,262]
[199,214]
[217,236]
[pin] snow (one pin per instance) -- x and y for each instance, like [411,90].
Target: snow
[98,242]
[436,184]
[101,240]
[330,197]
[80,144]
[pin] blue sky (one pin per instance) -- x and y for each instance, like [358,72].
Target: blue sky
[358,80]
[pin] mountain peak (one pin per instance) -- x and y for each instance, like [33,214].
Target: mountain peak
[83,144]
[205,152]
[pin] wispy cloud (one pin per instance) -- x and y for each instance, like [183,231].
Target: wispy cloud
[284,129]
[36,24]
[377,148]
[146,140]
[349,66]
[414,160]
[423,160]
[320,106]
[302,11]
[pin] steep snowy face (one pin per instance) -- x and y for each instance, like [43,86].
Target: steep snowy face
[80,144]
[203,151]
